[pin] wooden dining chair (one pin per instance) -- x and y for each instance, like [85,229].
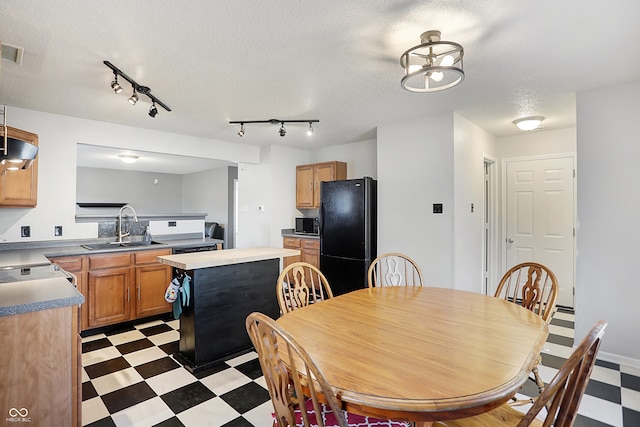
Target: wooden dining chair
[299,285]
[561,397]
[394,269]
[286,382]
[532,285]
[535,287]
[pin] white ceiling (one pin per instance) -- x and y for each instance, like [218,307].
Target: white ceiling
[335,61]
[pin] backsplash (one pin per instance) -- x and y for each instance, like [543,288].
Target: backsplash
[108,229]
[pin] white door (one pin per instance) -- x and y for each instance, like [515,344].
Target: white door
[540,218]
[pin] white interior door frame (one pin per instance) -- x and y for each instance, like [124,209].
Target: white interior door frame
[504,204]
[491,237]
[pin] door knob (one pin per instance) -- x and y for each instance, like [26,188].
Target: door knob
[509,240]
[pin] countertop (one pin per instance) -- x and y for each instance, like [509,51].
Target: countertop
[35,295]
[195,260]
[41,294]
[288,232]
[38,253]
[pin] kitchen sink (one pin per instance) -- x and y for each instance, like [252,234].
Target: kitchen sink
[115,245]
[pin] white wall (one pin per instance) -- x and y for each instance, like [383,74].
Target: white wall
[471,144]
[58,136]
[361,157]
[133,187]
[608,226]
[538,143]
[206,192]
[415,170]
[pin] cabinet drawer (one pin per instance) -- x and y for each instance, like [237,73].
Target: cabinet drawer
[72,264]
[149,257]
[112,260]
[311,244]
[291,242]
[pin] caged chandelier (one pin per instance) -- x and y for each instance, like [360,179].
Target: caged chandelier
[432,65]
[282,131]
[137,89]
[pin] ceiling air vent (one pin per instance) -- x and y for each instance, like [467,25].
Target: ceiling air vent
[12,53]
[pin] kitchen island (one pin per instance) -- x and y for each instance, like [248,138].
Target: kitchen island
[225,287]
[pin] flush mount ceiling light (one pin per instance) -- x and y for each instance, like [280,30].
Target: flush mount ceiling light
[128,158]
[529,123]
[282,131]
[137,89]
[432,65]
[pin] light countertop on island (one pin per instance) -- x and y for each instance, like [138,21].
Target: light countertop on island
[196,260]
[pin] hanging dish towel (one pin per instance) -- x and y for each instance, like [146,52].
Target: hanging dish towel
[179,294]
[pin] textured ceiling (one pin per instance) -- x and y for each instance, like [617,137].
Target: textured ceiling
[336,61]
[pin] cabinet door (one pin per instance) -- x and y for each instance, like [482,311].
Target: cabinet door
[151,283]
[19,188]
[304,186]
[290,243]
[109,292]
[311,252]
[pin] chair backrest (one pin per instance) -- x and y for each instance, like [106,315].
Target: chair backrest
[563,394]
[270,342]
[533,286]
[394,269]
[299,285]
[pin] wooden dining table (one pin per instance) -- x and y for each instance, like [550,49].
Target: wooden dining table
[420,354]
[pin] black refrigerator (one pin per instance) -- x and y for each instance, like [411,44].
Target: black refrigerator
[348,223]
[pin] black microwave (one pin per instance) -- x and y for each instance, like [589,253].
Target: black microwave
[306,225]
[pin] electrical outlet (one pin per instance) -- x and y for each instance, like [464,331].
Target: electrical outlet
[437,208]
[172,224]
[57,230]
[25,231]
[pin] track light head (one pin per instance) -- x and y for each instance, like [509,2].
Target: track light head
[153,111]
[133,98]
[282,131]
[115,85]
[241,132]
[310,129]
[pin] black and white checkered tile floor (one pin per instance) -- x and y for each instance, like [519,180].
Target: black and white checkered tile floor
[131,379]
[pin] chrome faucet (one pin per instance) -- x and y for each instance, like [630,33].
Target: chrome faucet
[119,233]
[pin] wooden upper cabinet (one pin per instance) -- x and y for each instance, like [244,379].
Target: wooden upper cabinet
[309,177]
[19,188]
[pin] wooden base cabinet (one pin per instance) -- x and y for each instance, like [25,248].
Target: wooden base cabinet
[76,265]
[309,250]
[126,286]
[39,378]
[309,177]
[151,281]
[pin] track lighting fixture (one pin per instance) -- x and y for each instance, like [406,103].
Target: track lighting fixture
[137,89]
[115,85]
[282,131]
[133,98]
[153,111]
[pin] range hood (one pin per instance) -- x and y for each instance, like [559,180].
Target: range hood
[15,153]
